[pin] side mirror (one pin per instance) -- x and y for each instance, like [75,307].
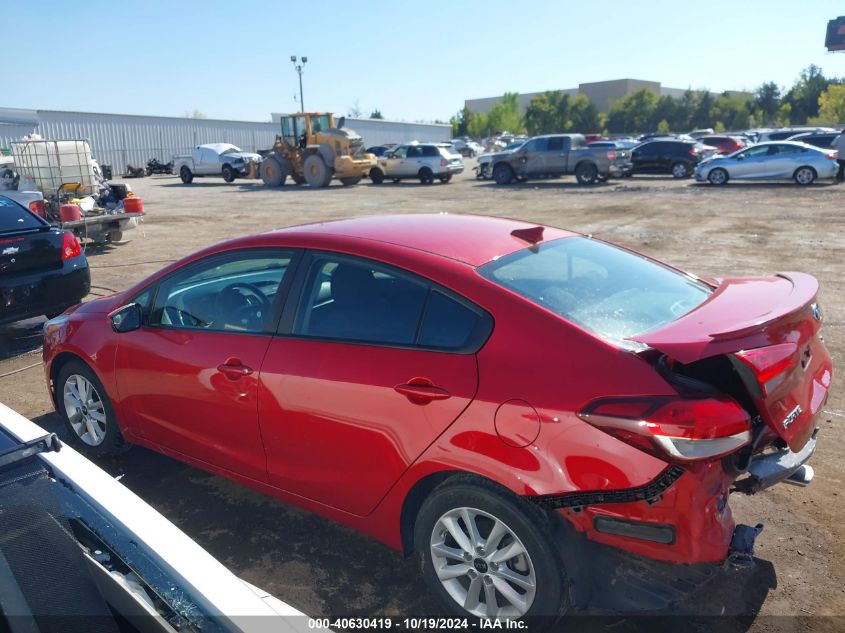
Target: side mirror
[126,318]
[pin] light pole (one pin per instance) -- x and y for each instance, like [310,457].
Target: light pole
[298,68]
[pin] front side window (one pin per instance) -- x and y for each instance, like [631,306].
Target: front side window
[400,152]
[609,291]
[228,293]
[535,145]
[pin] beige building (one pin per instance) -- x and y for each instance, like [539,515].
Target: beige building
[601,93]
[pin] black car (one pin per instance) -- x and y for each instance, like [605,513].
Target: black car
[42,268]
[678,158]
[380,150]
[818,139]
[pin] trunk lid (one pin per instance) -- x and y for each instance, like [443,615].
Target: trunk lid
[788,373]
[30,251]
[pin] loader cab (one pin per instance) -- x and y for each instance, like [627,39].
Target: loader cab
[299,129]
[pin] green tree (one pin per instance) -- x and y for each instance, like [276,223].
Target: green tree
[782,118]
[701,117]
[478,125]
[719,127]
[831,106]
[506,115]
[803,97]
[663,126]
[632,113]
[460,122]
[583,116]
[547,113]
[376,114]
[767,101]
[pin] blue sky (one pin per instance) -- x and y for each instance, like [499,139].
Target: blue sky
[412,60]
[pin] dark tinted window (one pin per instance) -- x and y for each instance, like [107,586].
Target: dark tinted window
[229,293]
[414,151]
[780,136]
[647,149]
[536,145]
[355,300]
[447,324]
[555,144]
[13,217]
[430,150]
[818,140]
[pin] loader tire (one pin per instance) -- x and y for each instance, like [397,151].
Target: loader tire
[352,180]
[272,173]
[317,173]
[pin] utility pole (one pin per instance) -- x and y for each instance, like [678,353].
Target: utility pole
[298,68]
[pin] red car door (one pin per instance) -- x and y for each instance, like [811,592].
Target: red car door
[376,364]
[189,376]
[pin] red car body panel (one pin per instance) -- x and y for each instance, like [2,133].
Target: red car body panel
[320,424]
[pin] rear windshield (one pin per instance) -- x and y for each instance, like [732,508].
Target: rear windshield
[13,217]
[609,291]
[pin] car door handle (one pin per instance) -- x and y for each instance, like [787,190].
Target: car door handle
[421,391]
[233,369]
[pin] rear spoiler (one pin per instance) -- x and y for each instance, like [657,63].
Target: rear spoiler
[736,316]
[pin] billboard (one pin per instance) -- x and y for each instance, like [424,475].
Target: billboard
[835,40]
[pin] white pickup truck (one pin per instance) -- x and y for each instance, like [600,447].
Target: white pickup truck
[216,159]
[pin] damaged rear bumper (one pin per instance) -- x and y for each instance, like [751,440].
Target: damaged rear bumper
[783,466]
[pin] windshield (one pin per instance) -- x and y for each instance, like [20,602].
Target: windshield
[607,290]
[13,217]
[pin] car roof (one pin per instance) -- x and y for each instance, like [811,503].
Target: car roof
[471,239]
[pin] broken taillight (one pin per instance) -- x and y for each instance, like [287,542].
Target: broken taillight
[771,365]
[673,428]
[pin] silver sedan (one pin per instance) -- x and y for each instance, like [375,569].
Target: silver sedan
[783,160]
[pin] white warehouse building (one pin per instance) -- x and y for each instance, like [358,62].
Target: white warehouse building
[126,139]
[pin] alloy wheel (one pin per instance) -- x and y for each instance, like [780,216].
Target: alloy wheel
[804,176]
[84,409]
[482,564]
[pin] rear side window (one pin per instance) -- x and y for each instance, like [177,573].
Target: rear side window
[13,217]
[353,300]
[446,324]
[348,299]
[555,144]
[604,289]
[414,151]
[430,150]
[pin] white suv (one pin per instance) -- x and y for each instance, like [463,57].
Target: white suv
[423,161]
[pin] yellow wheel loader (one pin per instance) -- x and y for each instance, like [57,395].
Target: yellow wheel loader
[312,150]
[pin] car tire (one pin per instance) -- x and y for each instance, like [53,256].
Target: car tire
[680,170]
[503,174]
[586,173]
[717,177]
[352,180]
[445,179]
[96,420]
[376,175]
[532,582]
[115,235]
[272,173]
[804,176]
[186,175]
[229,174]
[426,176]
[317,173]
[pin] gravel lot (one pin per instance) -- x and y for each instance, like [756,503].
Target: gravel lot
[325,569]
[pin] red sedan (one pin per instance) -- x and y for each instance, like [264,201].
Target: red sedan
[538,415]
